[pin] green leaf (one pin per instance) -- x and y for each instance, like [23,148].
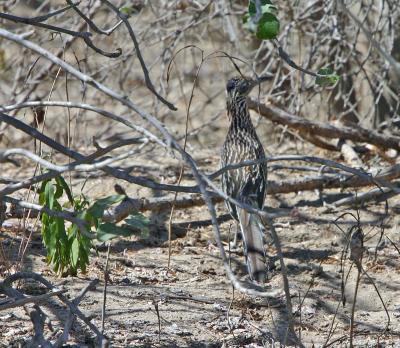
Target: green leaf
[140,222]
[42,196]
[265,5]
[128,10]
[60,181]
[107,231]
[97,209]
[326,77]
[49,194]
[268,27]
[74,252]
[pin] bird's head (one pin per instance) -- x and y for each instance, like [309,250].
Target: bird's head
[239,87]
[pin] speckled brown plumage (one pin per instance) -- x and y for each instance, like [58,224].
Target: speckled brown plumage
[246,184]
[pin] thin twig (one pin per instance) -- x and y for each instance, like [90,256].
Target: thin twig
[155,303]
[85,36]
[354,306]
[103,308]
[147,79]
[33,299]
[289,307]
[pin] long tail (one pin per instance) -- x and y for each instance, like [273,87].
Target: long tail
[253,245]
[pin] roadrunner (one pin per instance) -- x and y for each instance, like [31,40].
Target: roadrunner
[246,184]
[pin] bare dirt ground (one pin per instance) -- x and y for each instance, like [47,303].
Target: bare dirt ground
[197,306]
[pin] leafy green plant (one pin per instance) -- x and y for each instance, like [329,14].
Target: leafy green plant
[67,248]
[326,77]
[267,26]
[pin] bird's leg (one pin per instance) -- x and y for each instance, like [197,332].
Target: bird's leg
[233,244]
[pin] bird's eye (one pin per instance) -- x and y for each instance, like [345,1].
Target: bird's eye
[230,85]
[243,87]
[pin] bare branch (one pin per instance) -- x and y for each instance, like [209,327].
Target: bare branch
[38,19]
[91,24]
[356,133]
[147,79]
[85,36]
[84,106]
[392,61]
[60,214]
[34,299]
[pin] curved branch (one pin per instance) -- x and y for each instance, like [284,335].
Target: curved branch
[85,106]
[85,36]
[147,79]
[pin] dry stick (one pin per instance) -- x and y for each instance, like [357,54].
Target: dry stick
[379,295]
[37,315]
[68,42]
[117,173]
[353,307]
[69,167]
[6,288]
[355,133]
[159,204]
[103,308]
[62,339]
[392,61]
[182,167]
[45,17]
[289,306]
[394,244]
[301,301]
[33,299]
[159,319]
[15,186]
[91,24]
[317,141]
[147,79]
[84,106]
[287,186]
[365,196]
[348,153]
[341,300]
[85,36]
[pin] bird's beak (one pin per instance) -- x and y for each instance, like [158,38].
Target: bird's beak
[262,78]
[259,80]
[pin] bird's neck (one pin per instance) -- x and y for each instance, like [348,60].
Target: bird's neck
[238,114]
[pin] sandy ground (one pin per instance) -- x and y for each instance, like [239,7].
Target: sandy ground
[196,303]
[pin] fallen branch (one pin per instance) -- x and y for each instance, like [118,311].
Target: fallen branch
[360,198]
[33,299]
[37,315]
[310,183]
[355,133]
[348,153]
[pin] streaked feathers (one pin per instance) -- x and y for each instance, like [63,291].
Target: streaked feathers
[246,184]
